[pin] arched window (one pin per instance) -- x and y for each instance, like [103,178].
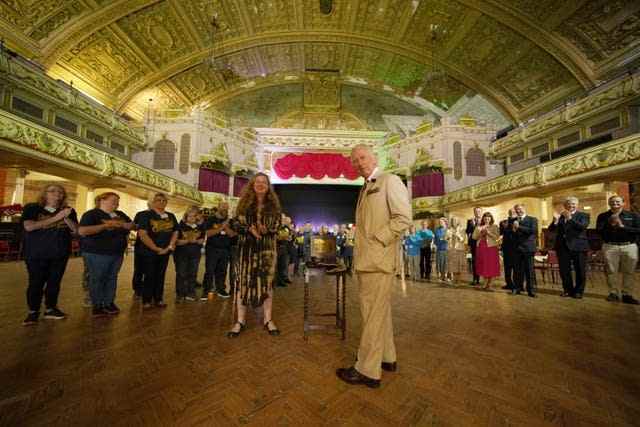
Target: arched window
[476,165]
[185,153]
[457,160]
[164,155]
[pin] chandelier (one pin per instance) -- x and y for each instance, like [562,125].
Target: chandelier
[435,35]
[212,60]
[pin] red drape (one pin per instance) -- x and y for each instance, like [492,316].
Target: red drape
[239,183]
[213,181]
[316,165]
[431,184]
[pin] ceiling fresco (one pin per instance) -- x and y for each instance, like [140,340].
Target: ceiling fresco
[522,56]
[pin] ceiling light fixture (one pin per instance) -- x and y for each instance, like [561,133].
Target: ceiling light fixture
[435,73]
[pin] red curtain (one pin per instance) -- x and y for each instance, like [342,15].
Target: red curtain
[316,165]
[430,184]
[213,181]
[238,184]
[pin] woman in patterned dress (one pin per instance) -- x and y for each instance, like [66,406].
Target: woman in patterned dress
[258,219]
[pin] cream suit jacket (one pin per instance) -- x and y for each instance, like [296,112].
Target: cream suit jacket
[383,214]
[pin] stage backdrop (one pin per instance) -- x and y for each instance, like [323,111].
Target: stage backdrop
[319,204]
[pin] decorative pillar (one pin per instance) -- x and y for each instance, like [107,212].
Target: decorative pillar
[231,184]
[18,191]
[544,211]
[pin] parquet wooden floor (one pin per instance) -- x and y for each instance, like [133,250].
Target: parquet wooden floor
[466,357]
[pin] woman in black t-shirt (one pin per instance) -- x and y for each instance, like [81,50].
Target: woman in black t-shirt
[158,231]
[187,254]
[48,226]
[104,232]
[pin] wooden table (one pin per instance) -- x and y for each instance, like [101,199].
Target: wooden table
[339,314]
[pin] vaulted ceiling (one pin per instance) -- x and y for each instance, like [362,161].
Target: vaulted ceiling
[524,56]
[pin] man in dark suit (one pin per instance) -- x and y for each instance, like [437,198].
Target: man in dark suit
[471,225]
[525,230]
[508,248]
[571,246]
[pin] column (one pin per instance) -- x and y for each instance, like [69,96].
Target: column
[18,191]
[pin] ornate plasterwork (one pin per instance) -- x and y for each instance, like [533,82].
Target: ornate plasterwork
[427,204]
[58,147]
[22,136]
[157,31]
[31,80]
[615,156]
[603,28]
[105,60]
[521,55]
[598,158]
[57,19]
[605,99]
[305,139]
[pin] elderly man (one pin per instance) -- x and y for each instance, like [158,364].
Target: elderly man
[525,234]
[571,246]
[619,230]
[383,214]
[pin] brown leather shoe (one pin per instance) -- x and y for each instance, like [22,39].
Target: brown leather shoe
[352,376]
[390,366]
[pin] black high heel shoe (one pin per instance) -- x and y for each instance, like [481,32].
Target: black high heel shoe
[234,334]
[273,332]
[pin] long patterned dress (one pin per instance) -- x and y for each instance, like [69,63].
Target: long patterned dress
[256,262]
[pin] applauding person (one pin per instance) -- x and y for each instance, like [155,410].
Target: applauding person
[525,235]
[486,234]
[104,232]
[48,224]
[187,255]
[158,231]
[571,246]
[619,230]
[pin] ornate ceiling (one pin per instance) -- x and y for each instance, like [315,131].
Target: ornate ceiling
[524,56]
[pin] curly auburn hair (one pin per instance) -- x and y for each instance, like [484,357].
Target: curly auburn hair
[248,200]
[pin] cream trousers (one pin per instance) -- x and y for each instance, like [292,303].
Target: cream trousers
[376,341]
[620,259]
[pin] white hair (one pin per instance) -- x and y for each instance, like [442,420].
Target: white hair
[571,199]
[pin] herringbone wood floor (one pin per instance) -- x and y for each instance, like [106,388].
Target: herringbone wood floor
[466,357]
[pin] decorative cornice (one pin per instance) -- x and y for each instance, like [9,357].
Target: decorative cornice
[33,81]
[33,140]
[616,156]
[427,204]
[606,98]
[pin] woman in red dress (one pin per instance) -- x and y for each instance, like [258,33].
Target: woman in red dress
[487,261]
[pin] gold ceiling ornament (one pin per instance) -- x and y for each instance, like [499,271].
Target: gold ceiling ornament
[435,73]
[523,56]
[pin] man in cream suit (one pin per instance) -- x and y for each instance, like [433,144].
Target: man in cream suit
[382,215]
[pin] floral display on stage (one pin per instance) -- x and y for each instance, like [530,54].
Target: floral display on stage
[315,165]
